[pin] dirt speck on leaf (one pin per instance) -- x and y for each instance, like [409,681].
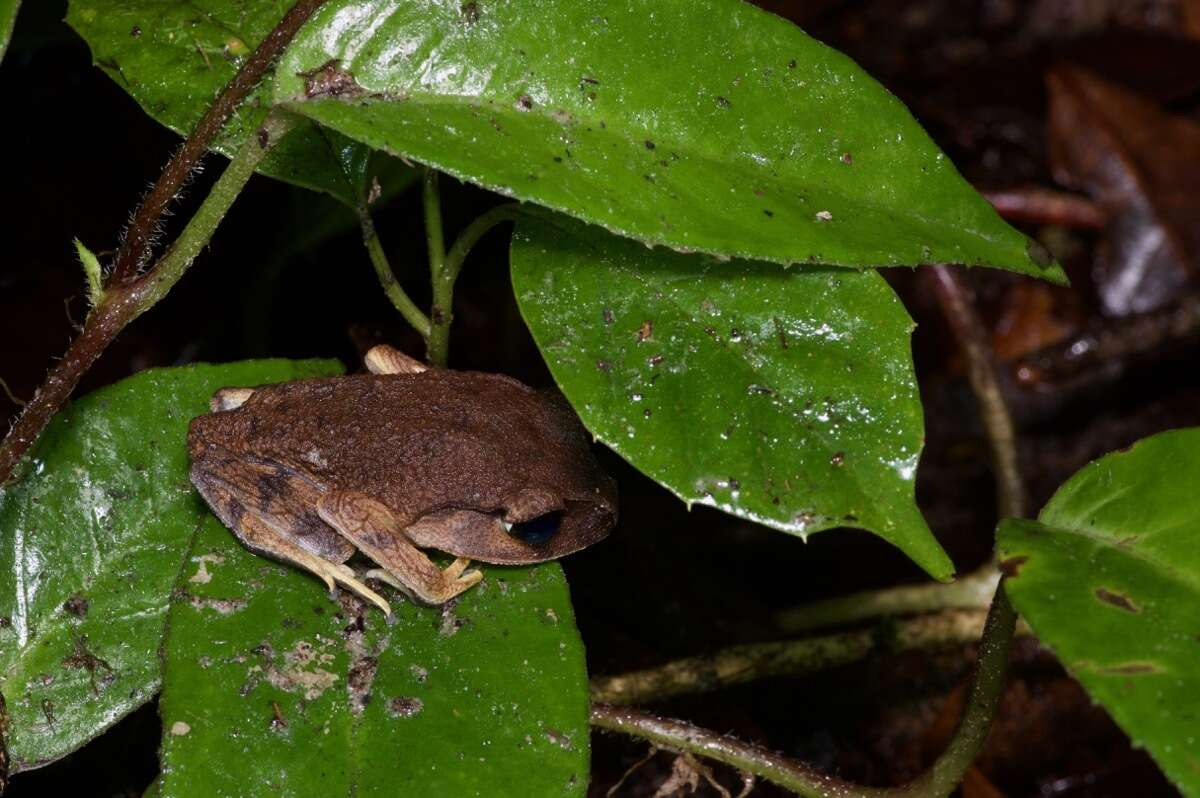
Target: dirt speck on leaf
[179,728]
[1012,566]
[329,80]
[76,605]
[405,706]
[1118,600]
[302,672]
[202,576]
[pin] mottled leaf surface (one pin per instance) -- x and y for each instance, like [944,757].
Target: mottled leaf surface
[1109,577]
[174,57]
[784,396]
[706,125]
[297,695]
[91,543]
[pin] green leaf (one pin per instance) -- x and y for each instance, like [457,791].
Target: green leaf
[1109,577]
[174,57]
[295,694]
[785,397]
[91,542]
[699,124]
[8,19]
[92,272]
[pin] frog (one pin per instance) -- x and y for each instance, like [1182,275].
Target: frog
[397,460]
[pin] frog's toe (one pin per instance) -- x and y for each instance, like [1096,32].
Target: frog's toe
[362,591]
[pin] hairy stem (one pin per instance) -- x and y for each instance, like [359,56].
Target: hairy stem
[441,311]
[387,278]
[133,252]
[121,304]
[955,299]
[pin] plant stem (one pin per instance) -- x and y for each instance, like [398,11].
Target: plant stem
[747,663]
[469,237]
[971,592]
[387,278]
[947,771]
[682,736]
[441,311]
[133,251]
[938,781]
[954,296]
[121,304]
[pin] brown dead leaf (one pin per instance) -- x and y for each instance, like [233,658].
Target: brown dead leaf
[1142,166]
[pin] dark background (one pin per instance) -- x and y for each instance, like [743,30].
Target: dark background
[79,153]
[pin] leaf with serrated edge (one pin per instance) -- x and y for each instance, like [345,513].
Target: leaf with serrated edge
[298,695]
[699,124]
[783,396]
[1109,578]
[91,541]
[173,58]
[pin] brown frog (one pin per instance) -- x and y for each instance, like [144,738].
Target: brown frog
[406,457]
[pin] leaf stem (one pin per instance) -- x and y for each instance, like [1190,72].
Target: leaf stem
[387,278]
[121,304]
[444,267]
[954,297]
[441,310]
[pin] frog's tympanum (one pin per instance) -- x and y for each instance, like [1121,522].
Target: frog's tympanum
[406,457]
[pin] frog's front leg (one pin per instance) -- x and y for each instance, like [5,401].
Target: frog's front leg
[384,359]
[379,533]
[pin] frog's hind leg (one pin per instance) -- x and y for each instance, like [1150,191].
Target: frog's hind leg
[379,534]
[276,526]
[258,536]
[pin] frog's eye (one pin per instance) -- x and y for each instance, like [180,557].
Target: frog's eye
[537,530]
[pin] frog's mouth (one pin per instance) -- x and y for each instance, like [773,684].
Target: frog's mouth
[487,537]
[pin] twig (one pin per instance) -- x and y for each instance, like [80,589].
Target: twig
[747,663]
[387,278]
[937,782]
[679,735]
[1045,206]
[955,299]
[121,304]
[971,592]
[133,252]
[129,292]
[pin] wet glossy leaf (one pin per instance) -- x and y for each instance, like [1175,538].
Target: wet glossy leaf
[1109,577]
[298,695]
[91,542]
[706,125]
[173,58]
[8,18]
[783,396]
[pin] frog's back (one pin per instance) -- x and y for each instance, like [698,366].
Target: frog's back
[418,441]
